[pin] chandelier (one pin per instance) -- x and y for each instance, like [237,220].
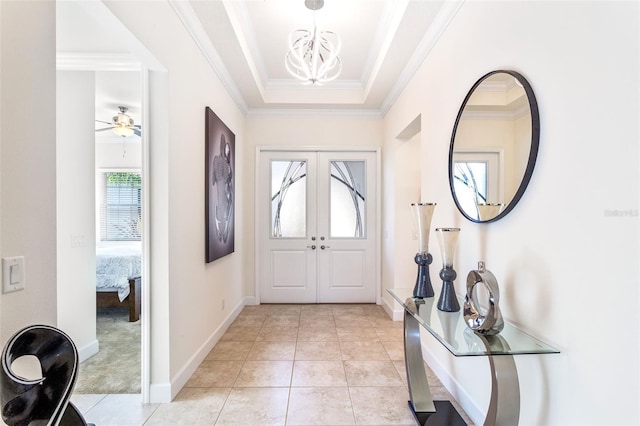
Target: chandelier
[313,54]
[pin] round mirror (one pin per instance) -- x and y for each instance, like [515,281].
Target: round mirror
[494,146]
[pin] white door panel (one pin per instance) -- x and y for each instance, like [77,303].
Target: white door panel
[317,227]
[289,269]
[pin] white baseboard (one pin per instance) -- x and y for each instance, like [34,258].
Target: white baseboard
[89,350]
[394,314]
[250,301]
[160,393]
[185,373]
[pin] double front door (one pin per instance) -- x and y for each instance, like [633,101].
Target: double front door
[317,227]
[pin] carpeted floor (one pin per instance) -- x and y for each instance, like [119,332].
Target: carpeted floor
[116,367]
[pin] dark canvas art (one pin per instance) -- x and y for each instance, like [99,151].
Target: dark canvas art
[219,187]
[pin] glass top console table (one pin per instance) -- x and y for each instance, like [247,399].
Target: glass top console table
[451,331]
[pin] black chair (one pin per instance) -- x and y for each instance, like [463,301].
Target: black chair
[42,401]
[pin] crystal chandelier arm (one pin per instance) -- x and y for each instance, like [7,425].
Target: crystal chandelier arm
[332,60]
[294,61]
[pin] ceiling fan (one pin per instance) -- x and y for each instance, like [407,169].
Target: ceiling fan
[121,124]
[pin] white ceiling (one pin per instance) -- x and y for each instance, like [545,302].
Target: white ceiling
[383,43]
[245,41]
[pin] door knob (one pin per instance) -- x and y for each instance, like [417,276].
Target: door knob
[313,247]
[313,238]
[324,247]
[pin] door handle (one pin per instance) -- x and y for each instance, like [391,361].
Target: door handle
[324,247]
[313,247]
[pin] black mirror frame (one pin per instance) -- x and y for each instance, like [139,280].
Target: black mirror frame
[533,152]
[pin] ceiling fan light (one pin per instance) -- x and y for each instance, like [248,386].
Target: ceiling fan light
[123,120]
[123,131]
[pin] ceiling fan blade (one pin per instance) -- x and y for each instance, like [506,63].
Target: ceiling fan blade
[137,132]
[104,122]
[102,130]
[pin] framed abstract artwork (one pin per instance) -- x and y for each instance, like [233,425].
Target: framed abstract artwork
[219,187]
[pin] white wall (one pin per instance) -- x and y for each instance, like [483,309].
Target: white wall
[307,130]
[406,157]
[114,88]
[187,293]
[28,168]
[566,267]
[75,197]
[118,154]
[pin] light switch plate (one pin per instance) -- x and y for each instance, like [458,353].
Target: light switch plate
[13,276]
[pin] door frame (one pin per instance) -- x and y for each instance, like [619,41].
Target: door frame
[378,207]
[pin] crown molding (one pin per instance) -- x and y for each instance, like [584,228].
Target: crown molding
[394,12]
[241,24]
[85,61]
[314,112]
[238,17]
[378,40]
[190,20]
[495,115]
[280,84]
[446,14]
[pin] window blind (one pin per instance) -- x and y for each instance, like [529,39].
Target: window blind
[120,208]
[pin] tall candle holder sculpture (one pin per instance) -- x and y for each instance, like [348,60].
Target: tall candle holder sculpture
[487,211]
[423,213]
[448,239]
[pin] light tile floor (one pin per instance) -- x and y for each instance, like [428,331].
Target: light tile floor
[287,365]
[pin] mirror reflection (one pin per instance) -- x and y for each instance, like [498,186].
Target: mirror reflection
[493,146]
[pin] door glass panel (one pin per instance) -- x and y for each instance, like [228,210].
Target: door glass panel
[288,199]
[470,178]
[347,199]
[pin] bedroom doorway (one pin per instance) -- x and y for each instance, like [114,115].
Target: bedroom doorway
[97,158]
[116,367]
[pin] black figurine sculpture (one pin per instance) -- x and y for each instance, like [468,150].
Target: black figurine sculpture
[43,400]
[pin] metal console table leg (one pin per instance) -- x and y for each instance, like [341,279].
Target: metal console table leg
[504,406]
[500,349]
[425,410]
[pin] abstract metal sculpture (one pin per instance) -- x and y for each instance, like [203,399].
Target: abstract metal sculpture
[43,400]
[490,321]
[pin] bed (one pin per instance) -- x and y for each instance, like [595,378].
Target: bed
[118,281]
